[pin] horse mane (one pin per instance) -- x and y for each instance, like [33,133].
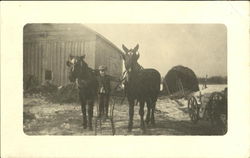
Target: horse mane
[138,67]
[89,76]
[85,64]
[85,69]
[92,73]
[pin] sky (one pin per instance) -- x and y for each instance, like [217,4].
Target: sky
[201,47]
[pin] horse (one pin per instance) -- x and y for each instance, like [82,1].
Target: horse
[86,81]
[142,85]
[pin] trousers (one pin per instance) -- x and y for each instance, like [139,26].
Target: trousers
[103,104]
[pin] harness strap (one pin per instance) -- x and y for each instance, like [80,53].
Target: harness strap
[124,76]
[121,80]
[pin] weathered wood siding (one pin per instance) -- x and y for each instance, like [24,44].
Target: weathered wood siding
[48,48]
[32,63]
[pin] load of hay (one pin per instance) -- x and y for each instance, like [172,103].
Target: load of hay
[179,81]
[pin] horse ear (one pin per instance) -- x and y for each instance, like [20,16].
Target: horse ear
[68,63]
[125,48]
[136,48]
[123,56]
[137,56]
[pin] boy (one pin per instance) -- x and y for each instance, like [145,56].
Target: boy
[103,91]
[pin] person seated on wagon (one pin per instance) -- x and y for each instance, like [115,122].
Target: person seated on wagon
[103,91]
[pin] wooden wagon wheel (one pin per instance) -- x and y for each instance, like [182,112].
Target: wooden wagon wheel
[214,110]
[193,109]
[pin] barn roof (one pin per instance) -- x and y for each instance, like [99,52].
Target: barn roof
[79,29]
[104,38]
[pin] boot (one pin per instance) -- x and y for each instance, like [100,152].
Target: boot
[84,122]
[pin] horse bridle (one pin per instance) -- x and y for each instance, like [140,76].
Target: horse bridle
[73,68]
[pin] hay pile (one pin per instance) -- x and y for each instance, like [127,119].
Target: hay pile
[41,90]
[65,94]
[53,93]
[180,77]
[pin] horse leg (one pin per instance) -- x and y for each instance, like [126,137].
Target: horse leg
[131,114]
[148,112]
[83,106]
[141,112]
[152,114]
[101,105]
[106,105]
[90,113]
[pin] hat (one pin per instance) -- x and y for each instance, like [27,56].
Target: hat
[102,67]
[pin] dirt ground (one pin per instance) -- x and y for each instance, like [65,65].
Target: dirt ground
[46,118]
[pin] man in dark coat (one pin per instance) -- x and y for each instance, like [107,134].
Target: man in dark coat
[103,91]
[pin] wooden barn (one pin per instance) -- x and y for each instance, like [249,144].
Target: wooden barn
[46,47]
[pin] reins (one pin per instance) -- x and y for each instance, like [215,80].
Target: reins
[121,80]
[124,75]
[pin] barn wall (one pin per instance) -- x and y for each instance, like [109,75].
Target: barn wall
[48,46]
[90,51]
[109,56]
[48,49]
[33,53]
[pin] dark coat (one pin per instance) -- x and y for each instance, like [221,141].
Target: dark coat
[105,83]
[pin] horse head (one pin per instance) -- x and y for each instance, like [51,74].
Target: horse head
[78,67]
[130,57]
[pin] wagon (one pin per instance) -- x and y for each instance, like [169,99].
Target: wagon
[211,107]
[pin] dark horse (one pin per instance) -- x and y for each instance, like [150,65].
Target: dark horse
[87,83]
[142,85]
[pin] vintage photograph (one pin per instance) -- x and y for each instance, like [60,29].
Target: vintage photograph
[125,79]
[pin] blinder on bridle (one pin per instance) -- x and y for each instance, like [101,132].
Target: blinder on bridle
[75,64]
[130,56]
[74,60]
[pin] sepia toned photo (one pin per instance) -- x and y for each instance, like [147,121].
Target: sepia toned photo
[125,79]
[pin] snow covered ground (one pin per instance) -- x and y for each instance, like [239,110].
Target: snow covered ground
[172,118]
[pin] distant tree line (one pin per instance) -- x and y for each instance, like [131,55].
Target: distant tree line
[213,80]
